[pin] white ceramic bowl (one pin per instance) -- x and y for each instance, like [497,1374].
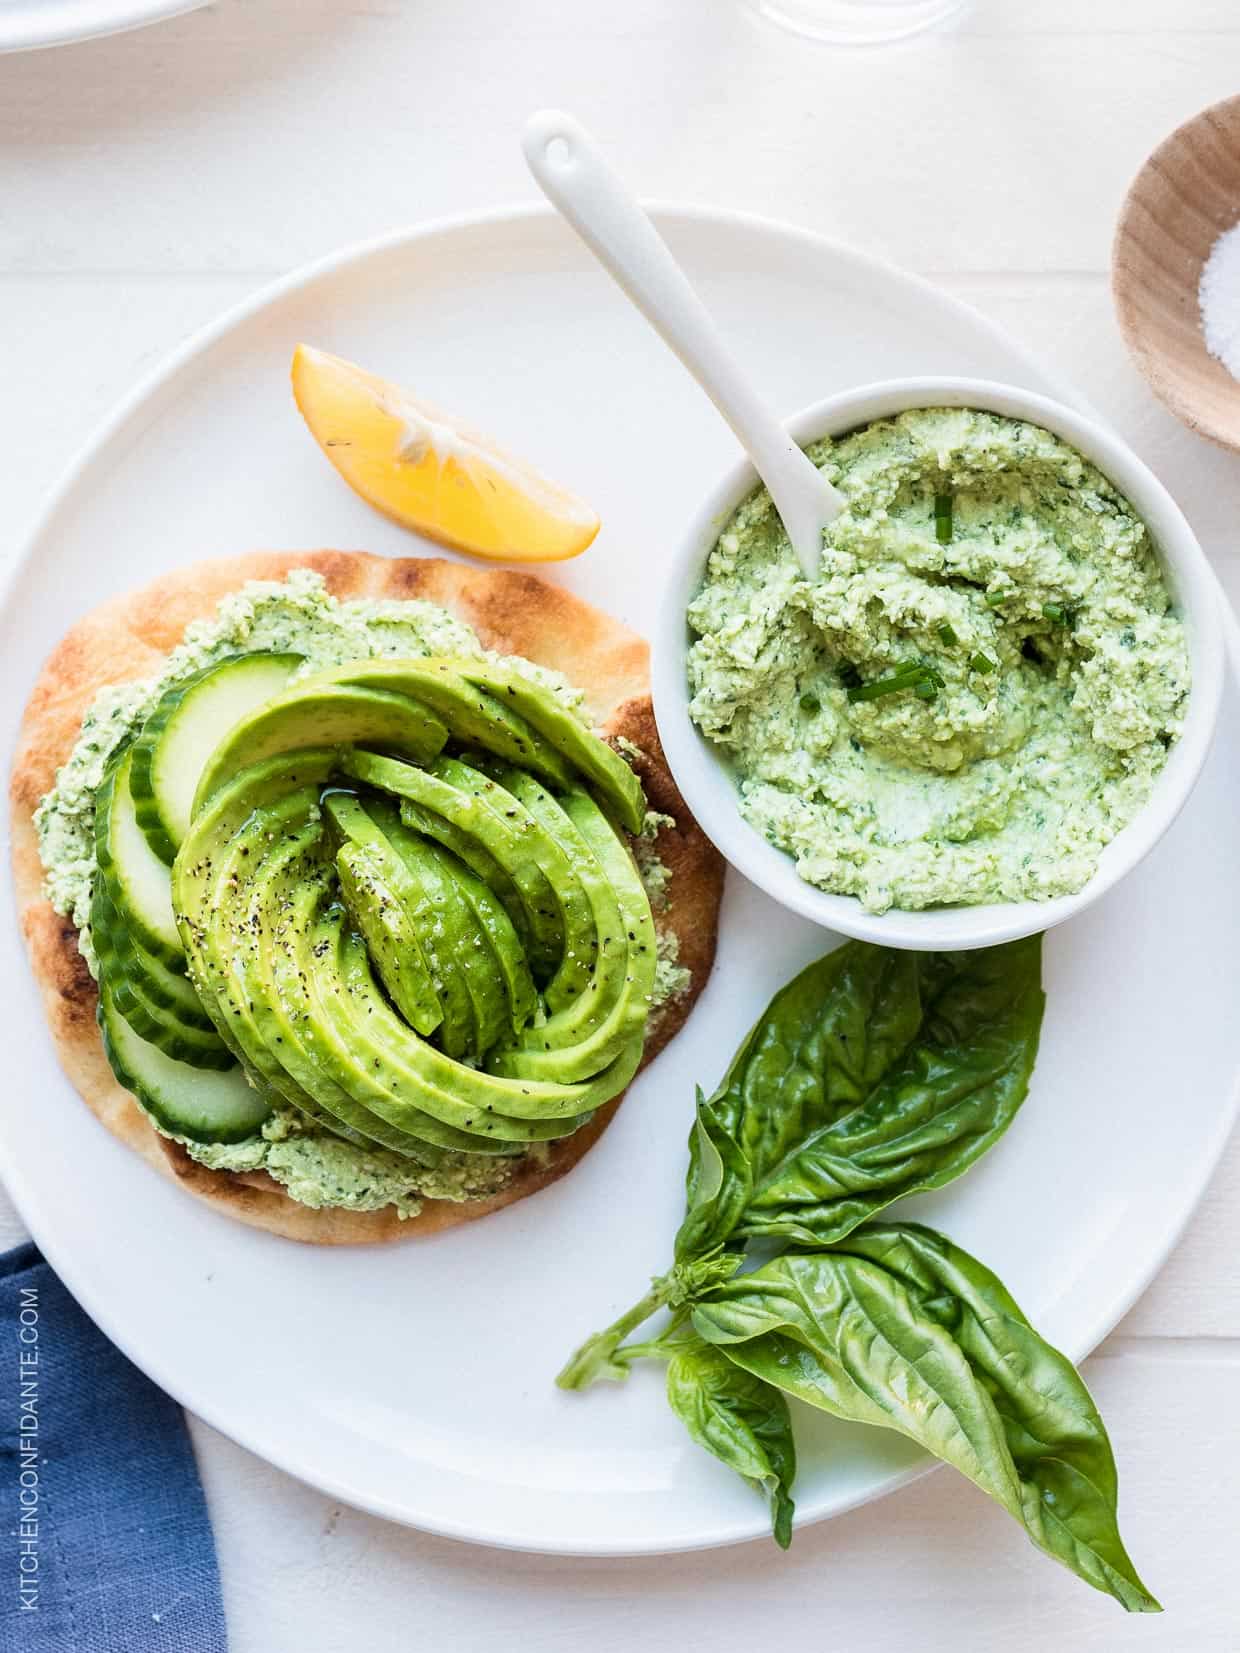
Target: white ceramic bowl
[701,770]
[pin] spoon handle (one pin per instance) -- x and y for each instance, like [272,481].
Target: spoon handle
[580,184]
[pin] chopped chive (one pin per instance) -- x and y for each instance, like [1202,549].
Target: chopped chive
[1057,614]
[883,686]
[948,635]
[810,703]
[922,679]
[995,598]
[982,662]
[943,518]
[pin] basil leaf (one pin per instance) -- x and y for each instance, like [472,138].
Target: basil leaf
[718,1184]
[743,1421]
[947,1100]
[820,1047]
[899,1327]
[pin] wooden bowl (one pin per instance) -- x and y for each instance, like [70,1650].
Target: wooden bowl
[1184,197]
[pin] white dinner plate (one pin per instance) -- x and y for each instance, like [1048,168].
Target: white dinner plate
[416,1381]
[25,24]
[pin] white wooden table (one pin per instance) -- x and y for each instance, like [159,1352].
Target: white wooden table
[148,180]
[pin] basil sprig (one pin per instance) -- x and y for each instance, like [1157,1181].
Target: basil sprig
[898,1327]
[873,1075]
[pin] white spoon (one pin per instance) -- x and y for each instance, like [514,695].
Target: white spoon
[579,183]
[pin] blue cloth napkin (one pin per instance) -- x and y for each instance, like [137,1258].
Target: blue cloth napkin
[104,1533]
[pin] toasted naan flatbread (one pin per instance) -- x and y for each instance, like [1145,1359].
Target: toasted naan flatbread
[511,612]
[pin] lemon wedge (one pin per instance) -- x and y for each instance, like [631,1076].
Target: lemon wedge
[429,472]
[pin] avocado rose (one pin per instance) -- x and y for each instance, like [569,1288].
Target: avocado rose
[403,907]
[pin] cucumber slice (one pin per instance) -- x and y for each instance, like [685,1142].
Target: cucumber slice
[205,1051]
[138,884]
[189,1037]
[122,959]
[204,1106]
[189,722]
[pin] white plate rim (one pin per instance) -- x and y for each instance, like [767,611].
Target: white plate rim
[60,495]
[34,28]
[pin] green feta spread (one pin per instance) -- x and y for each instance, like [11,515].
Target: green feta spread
[978,690]
[297,615]
[318,1169]
[671,978]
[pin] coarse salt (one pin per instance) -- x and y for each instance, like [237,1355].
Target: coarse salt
[1218,294]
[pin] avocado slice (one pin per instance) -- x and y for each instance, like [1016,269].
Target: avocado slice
[253,787]
[494,1106]
[343,1035]
[454,918]
[288,897]
[229,836]
[314,715]
[428,927]
[489,914]
[475,716]
[378,913]
[271,900]
[472,854]
[509,715]
[611,1013]
[226,926]
[603,770]
[504,942]
[376,891]
[576,966]
[227,948]
[490,843]
[407,1076]
[537,848]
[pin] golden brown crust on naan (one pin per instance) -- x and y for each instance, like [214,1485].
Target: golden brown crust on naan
[513,613]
